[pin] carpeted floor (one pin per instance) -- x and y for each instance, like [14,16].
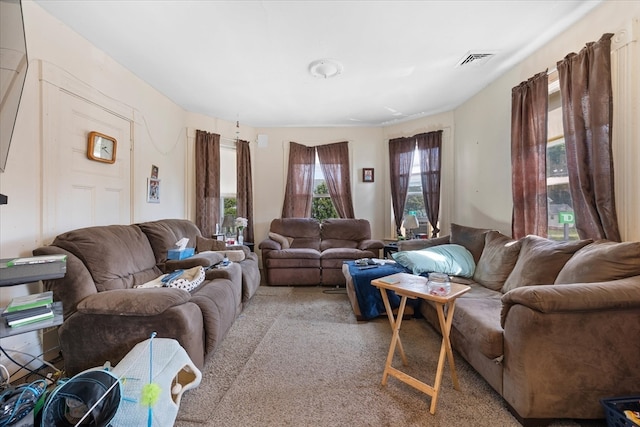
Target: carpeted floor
[297,356]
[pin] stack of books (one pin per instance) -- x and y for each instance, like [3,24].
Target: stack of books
[29,309]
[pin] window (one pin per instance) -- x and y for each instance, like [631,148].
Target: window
[414,204]
[561,225]
[228,182]
[321,205]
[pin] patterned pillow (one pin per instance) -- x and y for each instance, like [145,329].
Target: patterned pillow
[189,280]
[540,261]
[498,258]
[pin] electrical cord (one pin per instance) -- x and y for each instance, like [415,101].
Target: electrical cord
[17,402]
[6,375]
[26,368]
[38,358]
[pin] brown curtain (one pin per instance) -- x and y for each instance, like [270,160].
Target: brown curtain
[529,107]
[244,192]
[207,182]
[430,149]
[334,161]
[400,161]
[298,193]
[587,111]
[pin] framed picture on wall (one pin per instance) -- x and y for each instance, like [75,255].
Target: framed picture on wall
[153,190]
[367,174]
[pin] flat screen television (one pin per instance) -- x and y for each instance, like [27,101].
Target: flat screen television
[13,71]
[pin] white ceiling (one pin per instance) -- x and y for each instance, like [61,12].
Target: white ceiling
[248,60]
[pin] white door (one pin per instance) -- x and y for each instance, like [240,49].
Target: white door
[79,192]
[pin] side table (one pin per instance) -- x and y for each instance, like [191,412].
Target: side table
[412,286]
[389,248]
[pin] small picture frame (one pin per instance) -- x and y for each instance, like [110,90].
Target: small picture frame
[367,175]
[153,190]
[154,171]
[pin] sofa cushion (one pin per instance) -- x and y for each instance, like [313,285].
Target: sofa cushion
[498,258]
[133,302]
[204,244]
[304,231]
[327,244]
[450,259]
[116,256]
[285,242]
[292,258]
[540,261]
[415,244]
[469,237]
[236,255]
[345,229]
[163,235]
[478,320]
[602,261]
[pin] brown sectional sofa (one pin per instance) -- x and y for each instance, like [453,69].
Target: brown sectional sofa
[303,251]
[551,326]
[105,316]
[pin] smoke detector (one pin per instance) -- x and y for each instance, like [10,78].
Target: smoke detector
[475,58]
[325,68]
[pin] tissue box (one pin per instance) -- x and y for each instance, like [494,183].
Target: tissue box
[180,253]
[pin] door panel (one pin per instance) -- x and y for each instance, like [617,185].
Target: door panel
[79,192]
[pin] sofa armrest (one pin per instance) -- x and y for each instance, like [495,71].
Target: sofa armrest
[269,244]
[133,302]
[615,294]
[370,244]
[204,259]
[243,248]
[416,244]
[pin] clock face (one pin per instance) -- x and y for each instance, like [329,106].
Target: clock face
[101,148]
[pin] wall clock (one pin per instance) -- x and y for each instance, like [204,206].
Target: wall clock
[101,148]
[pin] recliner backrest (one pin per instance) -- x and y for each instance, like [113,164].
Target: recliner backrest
[304,231]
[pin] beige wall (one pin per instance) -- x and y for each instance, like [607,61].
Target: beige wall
[483,176]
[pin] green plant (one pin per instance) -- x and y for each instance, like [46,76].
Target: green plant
[230,206]
[322,206]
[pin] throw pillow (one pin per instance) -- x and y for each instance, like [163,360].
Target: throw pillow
[469,237]
[203,244]
[285,242]
[540,261]
[454,260]
[602,261]
[498,258]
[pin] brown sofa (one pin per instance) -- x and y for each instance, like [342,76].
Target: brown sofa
[303,251]
[163,235]
[105,316]
[551,326]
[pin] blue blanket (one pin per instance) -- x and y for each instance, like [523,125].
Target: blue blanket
[369,298]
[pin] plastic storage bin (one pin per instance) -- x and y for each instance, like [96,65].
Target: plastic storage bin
[614,410]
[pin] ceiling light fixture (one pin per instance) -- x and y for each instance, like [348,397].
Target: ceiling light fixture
[325,68]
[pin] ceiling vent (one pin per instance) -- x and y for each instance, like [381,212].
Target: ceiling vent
[475,58]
